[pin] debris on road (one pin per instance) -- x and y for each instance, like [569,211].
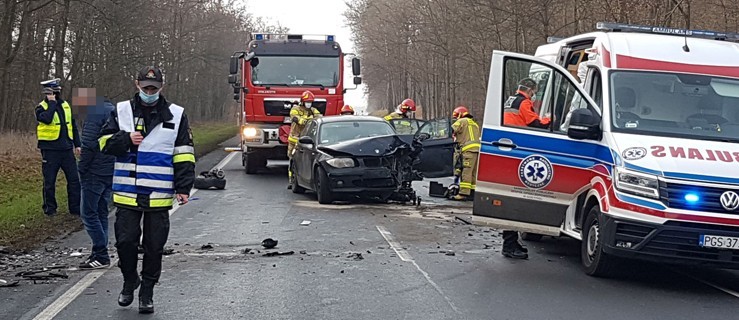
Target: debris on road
[42,274]
[168,251]
[305,223]
[76,254]
[356,256]
[450,253]
[269,243]
[247,251]
[207,247]
[303,252]
[351,242]
[487,246]
[213,179]
[6,284]
[277,253]
[463,220]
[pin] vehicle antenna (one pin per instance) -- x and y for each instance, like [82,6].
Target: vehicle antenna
[685,47]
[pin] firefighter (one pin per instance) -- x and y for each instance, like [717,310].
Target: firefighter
[300,115]
[403,111]
[467,136]
[59,143]
[519,109]
[347,110]
[155,163]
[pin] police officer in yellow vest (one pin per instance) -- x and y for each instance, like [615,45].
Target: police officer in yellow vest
[155,162]
[467,134]
[59,143]
[403,111]
[300,115]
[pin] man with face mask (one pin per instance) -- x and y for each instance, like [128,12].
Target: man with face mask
[519,108]
[59,143]
[155,162]
[300,115]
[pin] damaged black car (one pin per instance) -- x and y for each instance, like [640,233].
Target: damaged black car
[359,157]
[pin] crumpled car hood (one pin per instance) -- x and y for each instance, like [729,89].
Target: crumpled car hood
[366,147]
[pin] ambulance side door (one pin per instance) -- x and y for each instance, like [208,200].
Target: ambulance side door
[529,177]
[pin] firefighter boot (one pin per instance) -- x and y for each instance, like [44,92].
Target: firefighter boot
[459,197]
[146,297]
[126,297]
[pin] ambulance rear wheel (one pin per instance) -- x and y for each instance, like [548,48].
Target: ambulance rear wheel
[595,262]
[531,236]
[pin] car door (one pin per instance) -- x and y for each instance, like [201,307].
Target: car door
[305,155]
[437,157]
[529,178]
[406,126]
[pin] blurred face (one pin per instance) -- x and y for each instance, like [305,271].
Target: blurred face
[85,101]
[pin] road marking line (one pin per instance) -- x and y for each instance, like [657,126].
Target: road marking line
[405,256]
[726,290]
[65,299]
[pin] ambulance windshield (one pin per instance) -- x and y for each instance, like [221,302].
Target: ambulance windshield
[674,104]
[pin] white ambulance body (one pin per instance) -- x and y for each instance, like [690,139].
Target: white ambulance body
[641,160]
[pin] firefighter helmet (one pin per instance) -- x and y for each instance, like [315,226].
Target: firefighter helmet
[347,109]
[460,112]
[307,97]
[407,105]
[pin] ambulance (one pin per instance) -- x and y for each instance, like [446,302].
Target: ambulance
[641,157]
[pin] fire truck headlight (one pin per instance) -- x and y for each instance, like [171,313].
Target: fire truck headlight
[250,132]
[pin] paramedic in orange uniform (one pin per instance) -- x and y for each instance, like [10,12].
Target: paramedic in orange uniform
[519,109]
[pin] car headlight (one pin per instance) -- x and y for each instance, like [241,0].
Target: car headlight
[341,162]
[637,183]
[249,132]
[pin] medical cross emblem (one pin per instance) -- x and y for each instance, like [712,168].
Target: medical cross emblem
[535,172]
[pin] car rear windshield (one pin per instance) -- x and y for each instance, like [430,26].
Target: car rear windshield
[675,104]
[335,132]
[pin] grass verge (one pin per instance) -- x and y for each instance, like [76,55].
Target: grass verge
[23,224]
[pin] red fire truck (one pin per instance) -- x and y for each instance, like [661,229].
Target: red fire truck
[267,81]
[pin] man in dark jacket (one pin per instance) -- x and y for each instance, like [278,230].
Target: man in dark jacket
[96,171]
[155,162]
[59,143]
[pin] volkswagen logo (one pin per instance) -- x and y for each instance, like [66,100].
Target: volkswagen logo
[730,200]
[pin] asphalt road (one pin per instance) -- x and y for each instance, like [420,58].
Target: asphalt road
[404,271]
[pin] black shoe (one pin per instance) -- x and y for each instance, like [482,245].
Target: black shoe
[146,297]
[515,254]
[126,297]
[522,248]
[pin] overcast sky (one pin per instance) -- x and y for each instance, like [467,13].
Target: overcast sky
[314,17]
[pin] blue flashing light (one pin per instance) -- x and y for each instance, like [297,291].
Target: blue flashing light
[260,37]
[330,38]
[692,198]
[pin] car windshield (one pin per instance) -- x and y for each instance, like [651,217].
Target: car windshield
[335,132]
[296,71]
[676,105]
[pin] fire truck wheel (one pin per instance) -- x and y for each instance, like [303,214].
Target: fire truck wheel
[322,188]
[595,262]
[531,236]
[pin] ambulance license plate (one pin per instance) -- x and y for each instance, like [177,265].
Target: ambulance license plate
[722,242]
[286,120]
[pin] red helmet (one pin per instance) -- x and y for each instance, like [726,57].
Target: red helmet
[460,112]
[347,109]
[408,105]
[307,97]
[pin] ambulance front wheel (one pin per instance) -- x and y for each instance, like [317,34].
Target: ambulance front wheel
[531,236]
[595,262]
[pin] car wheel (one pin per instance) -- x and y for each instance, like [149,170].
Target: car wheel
[531,236]
[595,262]
[253,163]
[295,187]
[322,188]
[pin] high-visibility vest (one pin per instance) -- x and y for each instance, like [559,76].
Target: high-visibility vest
[50,132]
[149,172]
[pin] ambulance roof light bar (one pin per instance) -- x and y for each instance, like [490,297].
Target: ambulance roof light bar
[287,36]
[622,27]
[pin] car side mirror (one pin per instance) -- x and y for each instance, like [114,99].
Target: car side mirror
[355,68]
[584,125]
[357,80]
[306,140]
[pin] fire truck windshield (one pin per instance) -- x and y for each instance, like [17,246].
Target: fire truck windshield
[296,71]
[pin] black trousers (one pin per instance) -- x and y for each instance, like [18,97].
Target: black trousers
[510,240]
[127,235]
[52,161]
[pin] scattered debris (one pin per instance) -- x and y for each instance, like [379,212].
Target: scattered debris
[463,220]
[303,252]
[269,243]
[469,234]
[277,253]
[274,266]
[305,223]
[356,256]
[369,251]
[384,215]
[76,254]
[207,247]
[450,253]
[6,284]
[41,274]
[168,251]
[487,246]
[351,242]
[342,271]
[246,250]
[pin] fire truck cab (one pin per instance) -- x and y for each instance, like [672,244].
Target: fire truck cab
[268,79]
[639,160]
